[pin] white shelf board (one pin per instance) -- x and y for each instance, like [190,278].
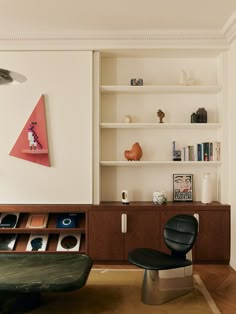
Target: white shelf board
[160,126]
[160,89]
[153,163]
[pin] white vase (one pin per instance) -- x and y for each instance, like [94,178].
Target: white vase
[206,197]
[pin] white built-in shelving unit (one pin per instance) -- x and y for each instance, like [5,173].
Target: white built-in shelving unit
[115,98]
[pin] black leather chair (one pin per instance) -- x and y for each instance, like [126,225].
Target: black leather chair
[180,233]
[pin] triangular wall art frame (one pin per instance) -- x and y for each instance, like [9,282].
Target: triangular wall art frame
[32,143]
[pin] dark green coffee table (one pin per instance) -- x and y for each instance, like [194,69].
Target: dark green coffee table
[23,277]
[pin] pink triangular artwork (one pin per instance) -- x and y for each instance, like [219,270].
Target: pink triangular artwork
[32,143]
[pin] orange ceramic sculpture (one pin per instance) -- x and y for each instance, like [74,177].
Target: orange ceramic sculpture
[135,153]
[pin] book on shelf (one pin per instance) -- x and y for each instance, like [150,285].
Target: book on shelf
[37,221]
[206,151]
[9,220]
[211,151]
[69,242]
[186,153]
[7,241]
[37,242]
[199,152]
[189,153]
[216,148]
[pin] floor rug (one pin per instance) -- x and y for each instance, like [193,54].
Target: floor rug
[113,291]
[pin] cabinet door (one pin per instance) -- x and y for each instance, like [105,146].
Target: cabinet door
[106,241]
[142,230]
[213,243]
[213,239]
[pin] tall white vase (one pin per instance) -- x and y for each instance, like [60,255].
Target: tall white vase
[206,196]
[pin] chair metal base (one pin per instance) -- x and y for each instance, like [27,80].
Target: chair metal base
[156,290]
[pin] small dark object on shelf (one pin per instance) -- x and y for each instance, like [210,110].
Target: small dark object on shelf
[177,155]
[193,118]
[200,116]
[139,82]
[161,115]
[133,82]
[136,82]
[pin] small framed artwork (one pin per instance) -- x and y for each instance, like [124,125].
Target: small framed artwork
[182,187]
[66,221]
[37,242]
[7,241]
[37,221]
[9,220]
[69,242]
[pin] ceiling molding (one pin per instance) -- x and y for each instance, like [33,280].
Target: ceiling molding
[126,39]
[103,40]
[229,29]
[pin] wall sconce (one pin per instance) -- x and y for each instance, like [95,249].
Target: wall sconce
[7,77]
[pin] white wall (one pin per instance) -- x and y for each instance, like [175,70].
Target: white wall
[232,146]
[65,79]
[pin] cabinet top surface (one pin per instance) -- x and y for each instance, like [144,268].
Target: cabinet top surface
[44,208]
[168,206]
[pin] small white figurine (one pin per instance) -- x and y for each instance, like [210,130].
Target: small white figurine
[127,119]
[183,78]
[187,78]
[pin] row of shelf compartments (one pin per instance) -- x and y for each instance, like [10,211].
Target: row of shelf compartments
[143,107]
[23,238]
[51,223]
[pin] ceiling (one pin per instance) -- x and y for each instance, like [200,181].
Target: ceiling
[61,16]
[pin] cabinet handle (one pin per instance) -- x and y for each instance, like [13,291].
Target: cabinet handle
[197,217]
[123,223]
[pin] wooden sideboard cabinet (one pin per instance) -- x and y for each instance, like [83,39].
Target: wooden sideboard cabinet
[145,224]
[114,230]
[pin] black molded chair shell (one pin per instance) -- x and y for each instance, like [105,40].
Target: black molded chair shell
[180,233]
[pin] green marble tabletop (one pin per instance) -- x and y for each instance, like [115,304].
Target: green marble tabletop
[51,272]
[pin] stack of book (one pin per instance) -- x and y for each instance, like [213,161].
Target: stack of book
[207,151]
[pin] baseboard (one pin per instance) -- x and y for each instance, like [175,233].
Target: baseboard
[232,263]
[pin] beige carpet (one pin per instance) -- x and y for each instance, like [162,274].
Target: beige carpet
[118,291]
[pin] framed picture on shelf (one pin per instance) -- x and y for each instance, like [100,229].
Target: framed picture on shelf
[69,242]
[37,242]
[182,187]
[66,221]
[37,221]
[7,241]
[9,220]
